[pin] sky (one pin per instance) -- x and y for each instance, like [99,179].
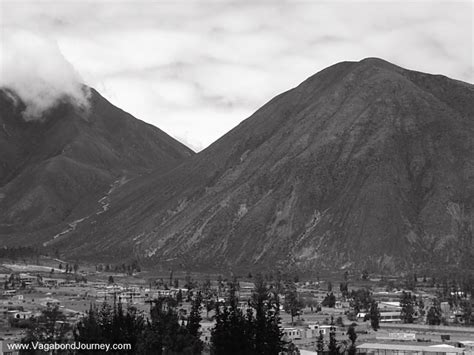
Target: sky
[196,69]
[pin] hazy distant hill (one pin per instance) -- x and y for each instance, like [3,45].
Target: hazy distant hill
[53,171]
[364,163]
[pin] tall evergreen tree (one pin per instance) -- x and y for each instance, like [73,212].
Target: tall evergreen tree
[320,343]
[408,309]
[195,318]
[292,304]
[467,314]
[332,347]
[256,332]
[88,328]
[352,335]
[164,335]
[228,335]
[374,316]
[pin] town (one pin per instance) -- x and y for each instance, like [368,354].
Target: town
[346,312]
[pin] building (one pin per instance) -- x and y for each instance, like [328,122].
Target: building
[292,333]
[390,317]
[405,349]
[17,314]
[28,280]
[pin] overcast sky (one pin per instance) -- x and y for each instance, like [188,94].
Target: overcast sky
[196,69]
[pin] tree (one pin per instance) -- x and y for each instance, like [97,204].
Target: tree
[266,323]
[333,348]
[229,335]
[329,300]
[179,296]
[292,304]
[320,342]
[361,300]
[467,314]
[352,335]
[76,267]
[374,316]
[206,286]
[433,317]
[407,305]
[255,332]
[111,280]
[195,316]
[50,327]
[344,288]
[110,324]
[89,327]
[188,282]
[164,335]
[420,307]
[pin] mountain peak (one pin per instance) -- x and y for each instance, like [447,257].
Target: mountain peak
[374,61]
[354,166]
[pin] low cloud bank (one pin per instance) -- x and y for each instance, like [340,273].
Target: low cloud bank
[34,68]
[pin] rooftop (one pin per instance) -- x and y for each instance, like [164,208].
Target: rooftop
[418,348]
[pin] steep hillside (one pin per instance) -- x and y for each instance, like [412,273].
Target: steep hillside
[54,170]
[364,163]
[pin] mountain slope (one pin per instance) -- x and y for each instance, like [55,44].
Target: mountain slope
[363,163]
[54,170]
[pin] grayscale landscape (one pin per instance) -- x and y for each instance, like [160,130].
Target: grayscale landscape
[275,200]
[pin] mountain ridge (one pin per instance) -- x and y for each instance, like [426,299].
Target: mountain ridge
[55,168]
[361,165]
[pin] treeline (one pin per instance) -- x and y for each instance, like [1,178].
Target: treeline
[124,267]
[256,331]
[69,268]
[161,332]
[251,329]
[18,252]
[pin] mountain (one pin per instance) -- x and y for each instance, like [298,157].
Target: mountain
[59,169]
[364,164]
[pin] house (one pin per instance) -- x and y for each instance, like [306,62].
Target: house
[28,279]
[9,293]
[292,333]
[325,329]
[390,317]
[20,314]
[389,306]
[398,336]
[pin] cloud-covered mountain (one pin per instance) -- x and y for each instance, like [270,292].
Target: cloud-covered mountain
[59,168]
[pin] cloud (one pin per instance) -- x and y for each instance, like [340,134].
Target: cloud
[34,68]
[197,68]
